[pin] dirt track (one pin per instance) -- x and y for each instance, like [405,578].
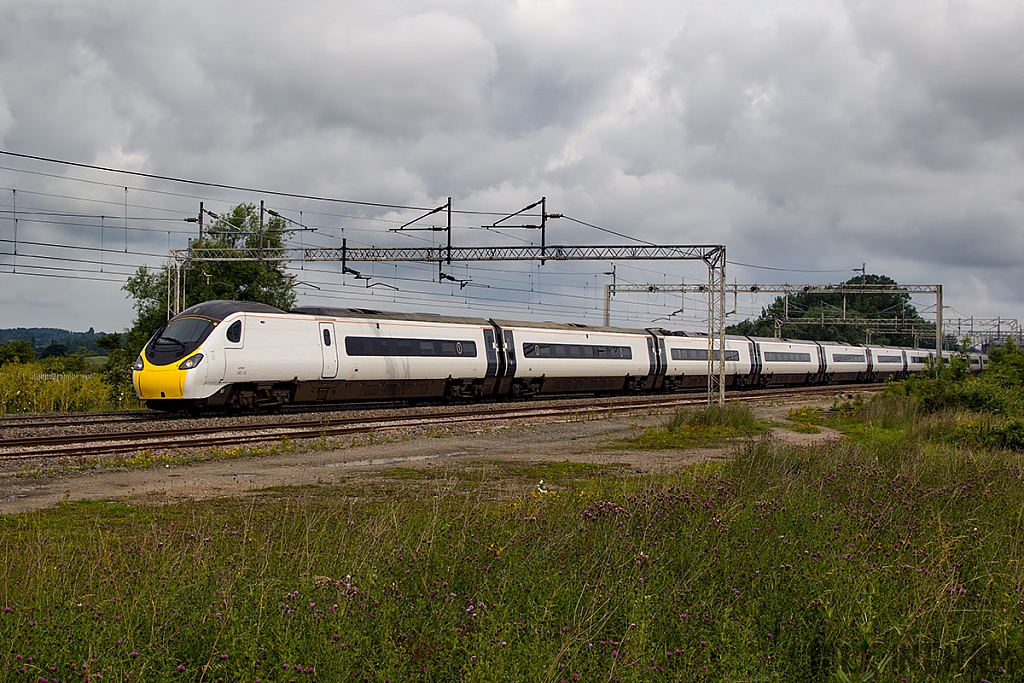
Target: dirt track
[581,441]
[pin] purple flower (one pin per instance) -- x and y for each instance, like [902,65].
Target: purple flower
[181,667]
[133,655]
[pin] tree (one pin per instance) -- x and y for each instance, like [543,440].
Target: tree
[17,351]
[813,306]
[262,281]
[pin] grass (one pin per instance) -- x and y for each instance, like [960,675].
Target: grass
[688,428]
[886,559]
[894,554]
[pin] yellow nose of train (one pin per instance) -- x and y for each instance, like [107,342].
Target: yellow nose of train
[154,382]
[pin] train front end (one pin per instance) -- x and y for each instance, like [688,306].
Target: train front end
[169,367]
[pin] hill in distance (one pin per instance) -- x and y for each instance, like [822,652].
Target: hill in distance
[44,337]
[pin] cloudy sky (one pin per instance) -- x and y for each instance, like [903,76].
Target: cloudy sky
[808,137]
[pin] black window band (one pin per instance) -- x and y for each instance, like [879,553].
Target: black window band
[702,354]
[389,346]
[574,351]
[787,357]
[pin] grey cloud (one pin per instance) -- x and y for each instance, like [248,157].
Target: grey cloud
[416,74]
[801,135]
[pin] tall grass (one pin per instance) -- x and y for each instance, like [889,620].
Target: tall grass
[730,415]
[887,561]
[33,388]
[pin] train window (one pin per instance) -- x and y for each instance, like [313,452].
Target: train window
[890,359]
[389,346]
[186,330]
[919,359]
[327,337]
[177,339]
[235,332]
[848,357]
[702,354]
[787,357]
[532,350]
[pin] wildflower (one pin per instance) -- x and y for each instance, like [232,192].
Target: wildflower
[133,655]
[181,667]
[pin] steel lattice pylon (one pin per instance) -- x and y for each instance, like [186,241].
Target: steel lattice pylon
[716,327]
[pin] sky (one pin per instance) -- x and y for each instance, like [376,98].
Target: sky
[809,137]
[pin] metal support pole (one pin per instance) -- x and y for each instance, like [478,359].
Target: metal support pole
[14,260]
[607,305]
[938,322]
[543,227]
[169,284]
[716,327]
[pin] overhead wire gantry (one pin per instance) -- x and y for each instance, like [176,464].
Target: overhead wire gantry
[712,255]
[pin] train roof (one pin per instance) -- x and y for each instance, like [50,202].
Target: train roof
[694,335]
[371,314]
[218,310]
[548,325]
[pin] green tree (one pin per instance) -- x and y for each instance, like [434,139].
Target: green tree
[17,351]
[806,308]
[263,281]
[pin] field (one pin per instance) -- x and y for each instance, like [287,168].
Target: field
[890,554]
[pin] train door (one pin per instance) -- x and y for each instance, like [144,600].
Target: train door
[510,354]
[231,364]
[506,361]
[494,363]
[329,349]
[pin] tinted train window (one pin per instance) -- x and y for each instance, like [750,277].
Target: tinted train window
[702,354]
[890,359]
[235,332]
[919,359]
[848,357]
[177,339]
[384,346]
[576,351]
[787,357]
[327,337]
[186,330]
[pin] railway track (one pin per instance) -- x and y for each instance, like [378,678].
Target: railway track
[199,436]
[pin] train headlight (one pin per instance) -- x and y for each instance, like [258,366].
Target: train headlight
[190,363]
[138,364]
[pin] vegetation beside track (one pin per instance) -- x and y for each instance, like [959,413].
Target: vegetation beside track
[55,386]
[692,427]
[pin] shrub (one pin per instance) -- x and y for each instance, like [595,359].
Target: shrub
[34,388]
[729,415]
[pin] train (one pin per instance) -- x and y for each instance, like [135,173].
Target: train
[248,356]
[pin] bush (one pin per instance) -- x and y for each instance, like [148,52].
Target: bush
[36,388]
[17,351]
[1000,389]
[729,415]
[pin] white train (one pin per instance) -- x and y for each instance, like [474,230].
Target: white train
[243,355]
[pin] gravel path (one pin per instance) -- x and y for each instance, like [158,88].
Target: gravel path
[586,441]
